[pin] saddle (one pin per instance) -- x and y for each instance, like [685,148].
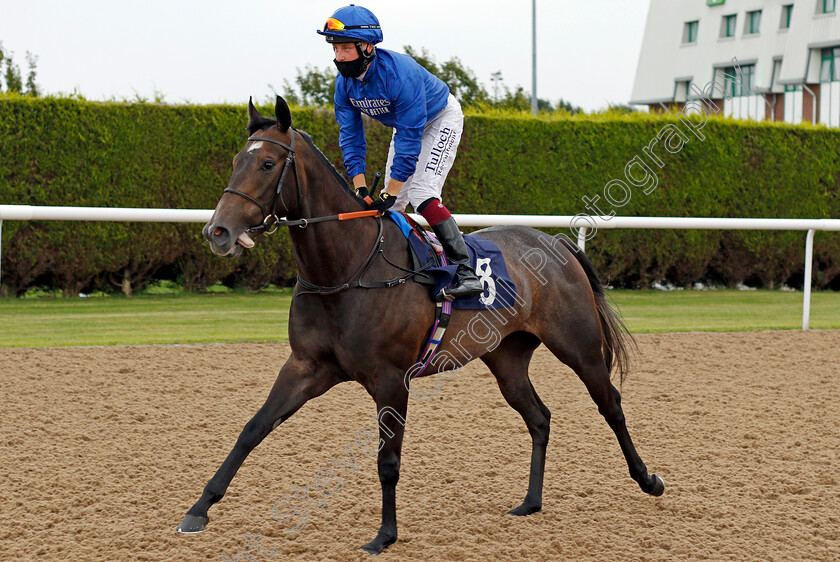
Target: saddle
[435,271]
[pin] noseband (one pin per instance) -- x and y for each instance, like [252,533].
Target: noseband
[271,222]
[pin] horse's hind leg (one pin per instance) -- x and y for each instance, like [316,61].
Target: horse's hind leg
[509,363]
[583,354]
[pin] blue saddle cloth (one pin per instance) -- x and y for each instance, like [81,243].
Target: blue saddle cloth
[485,257]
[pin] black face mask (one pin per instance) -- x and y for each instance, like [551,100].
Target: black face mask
[352,68]
[355,68]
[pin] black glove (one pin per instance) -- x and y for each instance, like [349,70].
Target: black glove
[362,191]
[385,202]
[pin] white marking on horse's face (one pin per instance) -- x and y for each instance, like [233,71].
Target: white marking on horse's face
[257,145]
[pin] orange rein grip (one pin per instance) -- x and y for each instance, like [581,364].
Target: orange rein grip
[368,200]
[357,215]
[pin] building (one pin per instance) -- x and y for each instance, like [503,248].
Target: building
[775,60]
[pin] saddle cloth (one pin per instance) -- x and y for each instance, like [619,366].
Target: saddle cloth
[485,257]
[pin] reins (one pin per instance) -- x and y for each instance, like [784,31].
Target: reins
[271,223]
[356,279]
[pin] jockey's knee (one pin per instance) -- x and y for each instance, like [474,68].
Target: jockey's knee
[433,211]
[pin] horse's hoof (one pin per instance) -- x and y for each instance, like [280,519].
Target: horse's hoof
[377,545]
[193,524]
[371,548]
[658,486]
[525,509]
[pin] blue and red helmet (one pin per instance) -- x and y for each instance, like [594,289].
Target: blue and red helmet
[351,24]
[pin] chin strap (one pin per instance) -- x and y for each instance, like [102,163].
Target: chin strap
[367,58]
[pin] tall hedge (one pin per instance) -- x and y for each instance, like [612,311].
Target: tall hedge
[71,152]
[741,169]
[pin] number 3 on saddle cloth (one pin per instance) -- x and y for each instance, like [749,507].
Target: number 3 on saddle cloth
[489,265]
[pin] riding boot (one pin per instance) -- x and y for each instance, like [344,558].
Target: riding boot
[466,283]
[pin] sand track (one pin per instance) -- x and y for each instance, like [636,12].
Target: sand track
[104,449]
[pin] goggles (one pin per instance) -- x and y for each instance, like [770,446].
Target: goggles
[336,25]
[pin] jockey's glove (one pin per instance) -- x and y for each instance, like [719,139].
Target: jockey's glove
[385,202]
[362,191]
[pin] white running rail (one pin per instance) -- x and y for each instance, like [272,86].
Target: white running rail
[582,223]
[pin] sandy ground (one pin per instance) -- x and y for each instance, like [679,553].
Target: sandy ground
[104,449]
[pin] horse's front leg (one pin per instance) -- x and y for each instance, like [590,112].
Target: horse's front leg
[298,382]
[391,402]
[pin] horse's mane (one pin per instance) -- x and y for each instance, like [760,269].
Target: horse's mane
[264,123]
[338,177]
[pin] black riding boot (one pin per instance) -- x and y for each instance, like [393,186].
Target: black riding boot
[466,283]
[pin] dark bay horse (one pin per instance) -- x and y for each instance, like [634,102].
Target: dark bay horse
[374,335]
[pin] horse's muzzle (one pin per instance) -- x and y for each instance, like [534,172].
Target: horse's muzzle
[222,243]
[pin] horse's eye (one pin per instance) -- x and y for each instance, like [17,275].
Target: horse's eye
[267,165]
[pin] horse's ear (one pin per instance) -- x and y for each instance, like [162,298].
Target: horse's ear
[253,115]
[282,114]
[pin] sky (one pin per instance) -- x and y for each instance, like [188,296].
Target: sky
[220,51]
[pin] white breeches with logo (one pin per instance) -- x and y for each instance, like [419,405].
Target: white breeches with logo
[440,143]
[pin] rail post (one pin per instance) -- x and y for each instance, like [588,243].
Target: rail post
[582,238]
[806,283]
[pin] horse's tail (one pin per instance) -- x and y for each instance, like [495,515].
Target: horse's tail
[618,342]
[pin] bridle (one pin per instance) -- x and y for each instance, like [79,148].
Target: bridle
[270,221]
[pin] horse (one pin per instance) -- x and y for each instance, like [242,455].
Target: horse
[345,326]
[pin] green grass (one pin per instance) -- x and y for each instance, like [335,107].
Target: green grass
[146,319]
[236,317]
[724,311]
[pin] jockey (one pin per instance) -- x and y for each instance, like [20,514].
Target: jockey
[427,120]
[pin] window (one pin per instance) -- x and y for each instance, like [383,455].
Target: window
[793,104]
[787,11]
[681,91]
[830,67]
[738,81]
[825,6]
[727,25]
[753,22]
[690,31]
[830,87]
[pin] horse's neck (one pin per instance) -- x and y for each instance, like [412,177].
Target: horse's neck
[329,253]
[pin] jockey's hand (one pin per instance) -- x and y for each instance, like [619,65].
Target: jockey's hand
[385,202]
[362,191]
